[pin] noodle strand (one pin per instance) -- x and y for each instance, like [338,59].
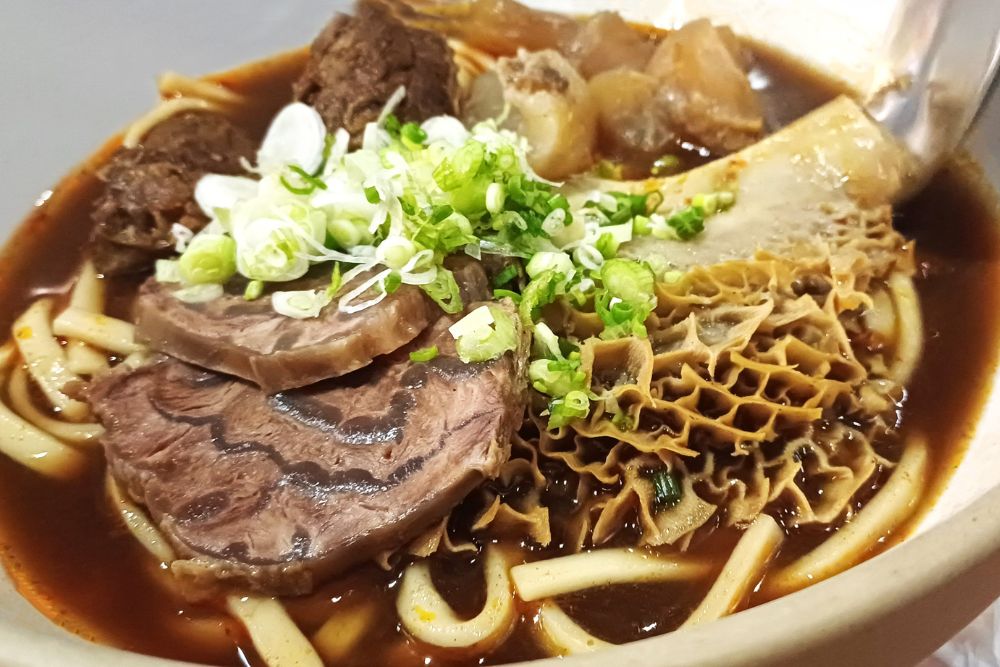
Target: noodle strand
[20,400]
[45,358]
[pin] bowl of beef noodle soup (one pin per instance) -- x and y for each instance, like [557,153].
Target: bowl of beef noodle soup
[472,333]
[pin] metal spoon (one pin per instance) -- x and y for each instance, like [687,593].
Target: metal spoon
[945,54]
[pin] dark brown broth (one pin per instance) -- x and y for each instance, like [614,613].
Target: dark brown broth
[71,557]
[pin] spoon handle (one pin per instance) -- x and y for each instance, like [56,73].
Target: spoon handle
[944,55]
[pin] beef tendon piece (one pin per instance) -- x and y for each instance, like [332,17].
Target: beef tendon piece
[702,71]
[633,118]
[150,188]
[605,42]
[358,62]
[275,493]
[551,107]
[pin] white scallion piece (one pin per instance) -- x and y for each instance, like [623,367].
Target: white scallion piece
[199,293]
[297,136]
[300,304]
[473,324]
[221,191]
[394,101]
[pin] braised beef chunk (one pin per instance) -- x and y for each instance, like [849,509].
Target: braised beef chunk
[248,339]
[277,492]
[151,187]
[359,61]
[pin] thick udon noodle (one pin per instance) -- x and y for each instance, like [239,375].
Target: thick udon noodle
[735,352]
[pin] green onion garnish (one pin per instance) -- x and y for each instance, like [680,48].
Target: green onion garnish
[667,490]
[336,281]
[312,182]
[688,222]
[510,294]
[253,290]
[610,170]
[391,124]
[665,165]
[392,282]
[307,190]
[508,273]
[424,354]
[413,133]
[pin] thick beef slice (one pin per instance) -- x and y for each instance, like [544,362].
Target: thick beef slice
[151,187]
[276,492]
[248,339]
[359,61]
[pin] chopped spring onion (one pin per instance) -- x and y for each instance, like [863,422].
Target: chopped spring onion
[444,291]
[667,489]
[666,164]
[541,291]
[336,281]
[424,354]
[461,167]
[626,298]
[507,294]
[310,182]
[199,293]
[391,124]
[413,133]
[543,262]
[607,245]
[209,258]
[687,223]
[168,271]
[557,377]
[507,274]
[297,135]
[253,290]
[562,411]
[610,170]
[300,304]
[271,250]
[496,195]
[347,233]
[395,252]
[484,334]
[391,282]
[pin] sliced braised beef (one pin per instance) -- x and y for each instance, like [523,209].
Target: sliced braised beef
[248,339]
[277,492]
[359,61]
[151,187]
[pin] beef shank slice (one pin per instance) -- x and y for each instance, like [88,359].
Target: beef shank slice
[357,63]
[277,492]
[249,340]
[150,187]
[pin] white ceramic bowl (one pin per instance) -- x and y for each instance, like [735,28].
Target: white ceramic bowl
[73,73]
